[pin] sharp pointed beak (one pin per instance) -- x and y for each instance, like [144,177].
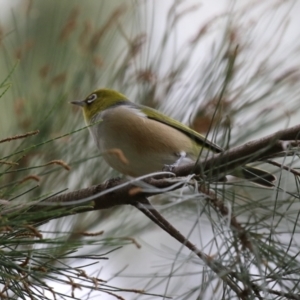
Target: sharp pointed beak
[79,102]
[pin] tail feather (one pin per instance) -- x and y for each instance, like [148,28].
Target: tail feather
[259,176]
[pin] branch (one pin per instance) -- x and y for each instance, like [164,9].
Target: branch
[147,209]
[117,192]
[257,150]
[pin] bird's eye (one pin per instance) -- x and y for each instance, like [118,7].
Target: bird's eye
[91,98]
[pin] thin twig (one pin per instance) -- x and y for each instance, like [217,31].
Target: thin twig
[219,205]
[19,136]
[284,167]
[146,208]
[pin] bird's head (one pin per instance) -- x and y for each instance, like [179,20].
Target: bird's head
[98,101]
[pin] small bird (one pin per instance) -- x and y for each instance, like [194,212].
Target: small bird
[137,140]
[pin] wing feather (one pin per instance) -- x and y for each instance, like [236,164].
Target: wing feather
[197,137]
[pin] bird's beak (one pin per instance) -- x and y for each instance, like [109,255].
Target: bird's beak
[79,102]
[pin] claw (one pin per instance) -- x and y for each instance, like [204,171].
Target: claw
[168,168]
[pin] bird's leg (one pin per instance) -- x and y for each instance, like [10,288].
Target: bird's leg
[181,156]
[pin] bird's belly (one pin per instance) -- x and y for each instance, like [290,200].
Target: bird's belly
[139,150]
[127,159]
[135,164]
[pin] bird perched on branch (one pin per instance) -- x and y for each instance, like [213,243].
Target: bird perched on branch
[137,140]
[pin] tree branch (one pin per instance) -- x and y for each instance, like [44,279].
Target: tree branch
[117,192]
[257,150]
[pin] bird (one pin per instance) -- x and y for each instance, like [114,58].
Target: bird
[137,140]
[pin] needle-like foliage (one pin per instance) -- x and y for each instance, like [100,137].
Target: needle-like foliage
[227,78]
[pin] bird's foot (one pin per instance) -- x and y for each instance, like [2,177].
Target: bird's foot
[168,168]
[181,156]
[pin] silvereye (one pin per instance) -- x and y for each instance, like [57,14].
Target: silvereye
[136,140]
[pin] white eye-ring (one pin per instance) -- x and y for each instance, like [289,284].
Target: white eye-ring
[91,98]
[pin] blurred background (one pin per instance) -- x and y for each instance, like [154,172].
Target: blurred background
[170,55]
